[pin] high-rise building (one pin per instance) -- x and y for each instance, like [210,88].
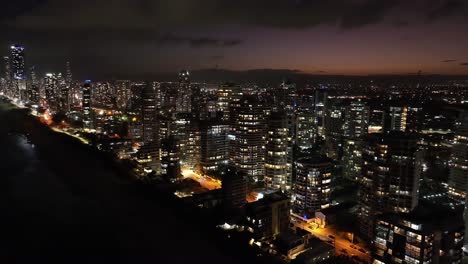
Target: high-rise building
[17,60]
[184,93]
[64,93]
[19,71]
[34,92]
[458,178]
[278,169]
[214,146]
[333,129]
[234,188]
[249,131]
[68,76]
[389,181]
[229,96]
[356,122]
[6,87]
[396,118]
[192,145]
[306,128]
[50,87]
[425,235]
[355,126]
[352,158]
[123,93]
[320,107]
[150,124]
[312,189]
[170,161]
[87,103]
[7,68]
[149,112]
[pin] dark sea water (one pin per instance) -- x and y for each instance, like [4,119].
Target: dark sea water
[59,201]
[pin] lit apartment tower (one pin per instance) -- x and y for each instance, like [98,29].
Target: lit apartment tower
[333,130]
[50,87]
[68,76]
[425,235]
[149,113]
[352,158]
[355,126]
[86,104]
[306,128]
[229,96]
[192,145]
[64,92]
[396,118]
[122,93]
[170,161]
[312,189]
[278,170]
[184,93]
[249,144]
[7,76]
[458,178]
[234,188]
[7,68]
[214,146]
[150,124]
[34,93]
[320,106]
[356,122]
[389,181]
[286,96]
[19,71]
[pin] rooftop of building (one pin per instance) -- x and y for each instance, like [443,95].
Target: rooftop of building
[430,217]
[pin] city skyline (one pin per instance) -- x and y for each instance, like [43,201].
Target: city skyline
[288,37]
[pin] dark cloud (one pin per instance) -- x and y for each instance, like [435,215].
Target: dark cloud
[445,9]
[464,64]
[159,14]
[367,12]
[198,41]
[449,61]
[216,57]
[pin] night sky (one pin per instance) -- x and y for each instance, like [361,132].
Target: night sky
[133,38]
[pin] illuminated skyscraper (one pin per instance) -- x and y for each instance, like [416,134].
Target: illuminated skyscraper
[389,182]
[396,118]
[64,93]
[278,170]
[356,122]
[87,103]
[19,71]
[7,71]
[229,96]
[458,179]
[149,112]
[306,128]
[7,67]
[214,146]
[333,129]
[249,144]
[355,126]
[34,92]
[184,93]
[50,87]
[312,188]
[150,125]
[17,59]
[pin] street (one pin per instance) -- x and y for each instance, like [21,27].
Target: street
[342,245]
[205,181]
